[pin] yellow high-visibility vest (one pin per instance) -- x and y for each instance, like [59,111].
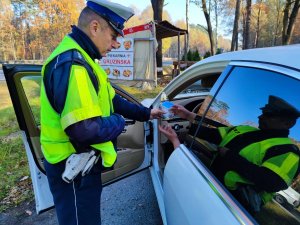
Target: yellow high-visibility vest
[284,165]
[82,102]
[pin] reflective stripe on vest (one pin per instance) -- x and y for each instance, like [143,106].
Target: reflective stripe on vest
[82,102]
[232,179]
[284,165]
[233,132]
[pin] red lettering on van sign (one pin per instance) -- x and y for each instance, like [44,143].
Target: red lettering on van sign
[116,61]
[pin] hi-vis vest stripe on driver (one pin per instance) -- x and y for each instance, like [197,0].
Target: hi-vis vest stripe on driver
[82,102]
[284,165]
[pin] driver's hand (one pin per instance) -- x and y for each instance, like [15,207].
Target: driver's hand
[170,134]
[182,112]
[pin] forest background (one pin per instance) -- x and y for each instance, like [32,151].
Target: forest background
[31,29]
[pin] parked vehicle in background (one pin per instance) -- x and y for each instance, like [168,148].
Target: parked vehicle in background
[227,89]
[288,196]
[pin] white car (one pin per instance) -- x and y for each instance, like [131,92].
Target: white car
[227,89]
[288,196]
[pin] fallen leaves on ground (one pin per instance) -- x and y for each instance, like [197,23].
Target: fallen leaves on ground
[23,190]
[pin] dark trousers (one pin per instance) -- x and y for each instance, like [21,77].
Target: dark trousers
[76,203]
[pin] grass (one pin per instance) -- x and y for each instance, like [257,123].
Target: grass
[15,185]
[8,121]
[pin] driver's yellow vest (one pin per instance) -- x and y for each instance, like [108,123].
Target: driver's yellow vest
[82,102]
[284,165]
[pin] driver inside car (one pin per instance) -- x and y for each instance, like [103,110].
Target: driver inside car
[253,163]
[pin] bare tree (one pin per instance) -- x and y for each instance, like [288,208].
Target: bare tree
[257,29]
[208,22]
[247,25]
[289,19]
[278,22]
[218,8]
[187,6]
[209,27]
[216,20]
[234,40]
[157,6]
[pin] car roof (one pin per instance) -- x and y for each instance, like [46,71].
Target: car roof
[287,55]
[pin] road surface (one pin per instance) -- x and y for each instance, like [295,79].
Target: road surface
[130,201]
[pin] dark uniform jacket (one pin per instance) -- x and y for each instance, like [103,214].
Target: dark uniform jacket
[93,130]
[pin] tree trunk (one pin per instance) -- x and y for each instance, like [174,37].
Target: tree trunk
[285,20]
[13,45]
[244,25]
[248,22]
[209,27]
[23,44]
[289,21]
[257,33]
[216,16]
[278,11]
[235,25]
[41,52]
[157,6]
[187,5]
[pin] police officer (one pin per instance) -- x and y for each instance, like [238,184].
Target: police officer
[81,111]
[252,162]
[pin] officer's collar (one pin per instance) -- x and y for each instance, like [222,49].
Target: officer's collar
[85,42]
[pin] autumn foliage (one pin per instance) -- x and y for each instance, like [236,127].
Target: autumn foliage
[30,29]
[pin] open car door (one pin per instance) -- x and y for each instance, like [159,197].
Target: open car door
[24,83]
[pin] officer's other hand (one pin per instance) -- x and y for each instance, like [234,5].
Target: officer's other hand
[156,113]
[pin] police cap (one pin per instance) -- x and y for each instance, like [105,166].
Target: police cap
[278,106]
[115,14]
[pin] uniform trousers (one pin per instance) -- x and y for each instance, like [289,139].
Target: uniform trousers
[78,202]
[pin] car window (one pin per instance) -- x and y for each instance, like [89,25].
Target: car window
[247,90]
[195,88]
[239,102]
[201,86]
[31,86]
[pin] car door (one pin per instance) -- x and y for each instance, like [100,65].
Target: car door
[24,82]
[176,178]
[192,193]
[203,199]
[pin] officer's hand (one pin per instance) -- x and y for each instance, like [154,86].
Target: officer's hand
[156,113]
